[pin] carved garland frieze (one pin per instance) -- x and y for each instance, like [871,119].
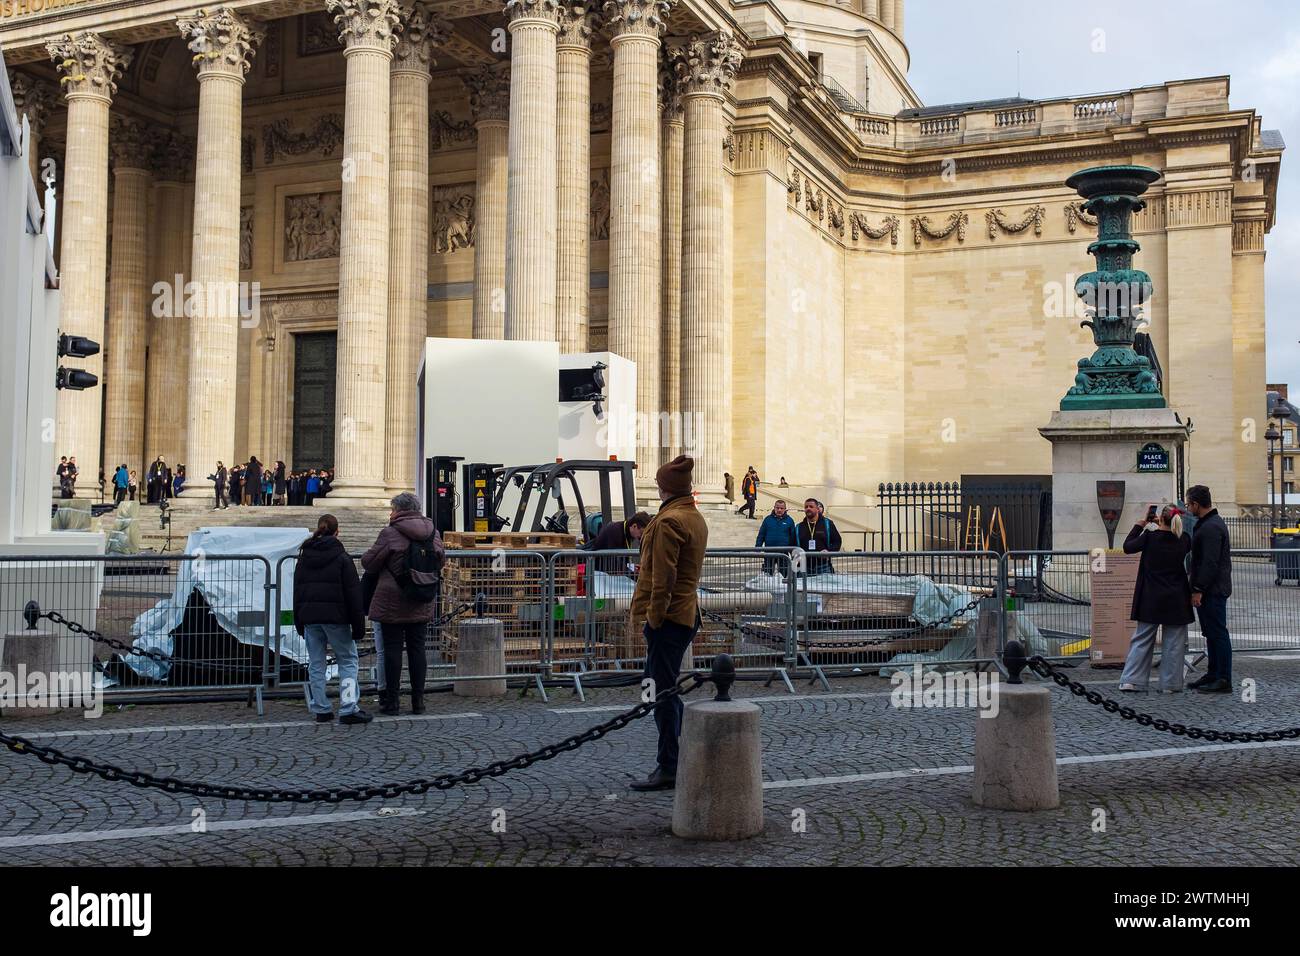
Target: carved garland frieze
[957,223]
[445,129]
[1034,216]
[324,137]
[245,237]
[890,227]
[1075,214]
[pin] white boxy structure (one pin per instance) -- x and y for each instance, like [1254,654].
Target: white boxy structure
[29,317]
[495,401]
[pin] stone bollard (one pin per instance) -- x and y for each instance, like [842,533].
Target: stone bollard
[27,653]
[719,792]
[480,650]
[1015,751]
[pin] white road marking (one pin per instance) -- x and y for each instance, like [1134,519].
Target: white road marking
[1061,762]
[213,826]
[334,819]
[196,728]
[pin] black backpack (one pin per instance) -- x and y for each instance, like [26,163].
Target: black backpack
[421,579]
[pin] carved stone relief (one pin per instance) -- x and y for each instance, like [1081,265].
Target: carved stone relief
[600,204]
[311,226]
[452,217]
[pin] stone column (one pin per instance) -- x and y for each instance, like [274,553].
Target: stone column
[167,374]
[408,265]
[33,99]
[530,202]
[705,68]
[489,101]
[573,191]
[89,66]
[635,27]
[368,31]
[128,301]
[222,43]
[672,132]
[887,13]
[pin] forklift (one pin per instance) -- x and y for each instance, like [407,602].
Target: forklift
[484,487]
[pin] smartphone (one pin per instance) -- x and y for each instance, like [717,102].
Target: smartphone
[1151,513]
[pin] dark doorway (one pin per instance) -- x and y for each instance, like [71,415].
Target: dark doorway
[313,399]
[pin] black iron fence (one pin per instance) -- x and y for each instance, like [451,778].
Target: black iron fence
[970,516]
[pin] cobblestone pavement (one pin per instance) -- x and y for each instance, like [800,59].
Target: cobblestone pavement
[875,784]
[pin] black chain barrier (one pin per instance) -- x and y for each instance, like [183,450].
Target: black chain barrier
[1044,668]
[722,676]
[120,646]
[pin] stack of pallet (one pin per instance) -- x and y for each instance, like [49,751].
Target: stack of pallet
[511,574]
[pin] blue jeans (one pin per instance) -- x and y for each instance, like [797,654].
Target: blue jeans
[378,630]
[339,638]
[1213,614]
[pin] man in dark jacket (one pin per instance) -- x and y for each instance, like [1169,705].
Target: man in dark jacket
[327,611]
[1211,579]
[405,619]
[618,536]
[817,533]
[776,531]
[666,603]
[219,487]
[749,491]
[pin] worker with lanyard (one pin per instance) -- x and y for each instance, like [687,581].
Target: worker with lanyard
[817,533]
[619,536]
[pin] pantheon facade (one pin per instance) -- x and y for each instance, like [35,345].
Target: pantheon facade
[263,208]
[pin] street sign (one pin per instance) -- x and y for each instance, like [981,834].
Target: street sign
[1153,458]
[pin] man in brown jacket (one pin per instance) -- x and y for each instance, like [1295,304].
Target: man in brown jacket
[665,603]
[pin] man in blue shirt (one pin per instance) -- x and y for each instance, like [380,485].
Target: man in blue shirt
[776,531]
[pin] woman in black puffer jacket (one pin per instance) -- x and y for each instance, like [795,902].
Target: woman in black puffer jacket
[327,609]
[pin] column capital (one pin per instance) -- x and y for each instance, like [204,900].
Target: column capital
[489,93]
[32,97]
[520,10]
[221,40]
[707,65]
[578,23]
[421,31]
[89,64]
[645,18]
[129,144]
[671,107]
[366,24]
[173,156]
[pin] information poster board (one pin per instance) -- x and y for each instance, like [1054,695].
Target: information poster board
[1112,603]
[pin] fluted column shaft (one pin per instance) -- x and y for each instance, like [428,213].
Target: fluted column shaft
[128,309]
[490,230]
[706,342]
[887,13]
[89,66]
[360,381]
[634,227]
[408,269]
[530,202]
[573,197]
[671,282]
[168,370]
[223,44]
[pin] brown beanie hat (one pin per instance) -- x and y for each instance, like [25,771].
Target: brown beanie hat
[674,478]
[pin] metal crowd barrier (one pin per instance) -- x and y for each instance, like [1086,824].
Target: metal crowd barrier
[206,613]
[226,620]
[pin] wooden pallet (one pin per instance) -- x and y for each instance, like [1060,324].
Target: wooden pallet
[509,540]
[466,570]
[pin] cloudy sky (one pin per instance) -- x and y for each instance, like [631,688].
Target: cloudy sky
[963,50]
